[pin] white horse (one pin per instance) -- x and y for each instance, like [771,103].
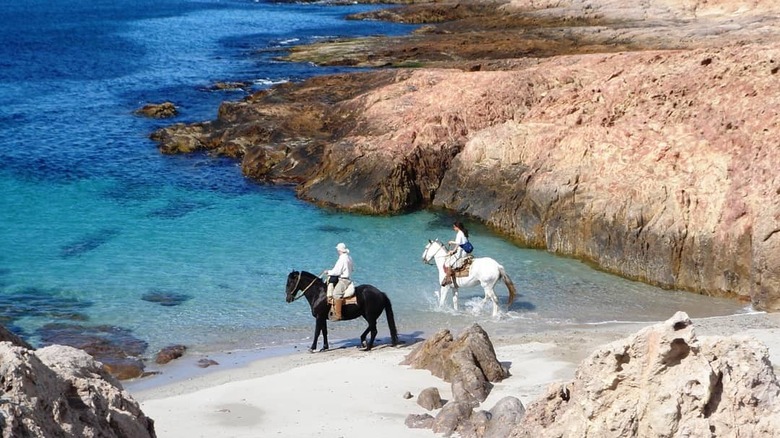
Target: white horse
[483,271]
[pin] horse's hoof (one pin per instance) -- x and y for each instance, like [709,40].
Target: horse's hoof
[323,349]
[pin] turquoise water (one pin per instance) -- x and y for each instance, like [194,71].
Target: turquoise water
[95,223]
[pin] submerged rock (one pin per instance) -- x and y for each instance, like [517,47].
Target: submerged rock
[165,298]
[115,347]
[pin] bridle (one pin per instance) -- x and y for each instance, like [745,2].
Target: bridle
[429,261]
[303,291]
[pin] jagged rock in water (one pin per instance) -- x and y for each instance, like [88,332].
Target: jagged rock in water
[158,110]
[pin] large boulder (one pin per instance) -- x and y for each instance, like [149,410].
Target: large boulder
[468,362]
[60,391]
[663,381]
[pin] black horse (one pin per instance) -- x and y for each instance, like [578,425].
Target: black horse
[371,302]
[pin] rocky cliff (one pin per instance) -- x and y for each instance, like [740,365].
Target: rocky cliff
[637,137]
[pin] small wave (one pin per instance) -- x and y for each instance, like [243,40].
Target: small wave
[270,82]
[288,41]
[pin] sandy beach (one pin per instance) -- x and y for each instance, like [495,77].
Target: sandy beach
[346,392]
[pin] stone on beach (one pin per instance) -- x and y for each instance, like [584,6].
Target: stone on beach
[169,353]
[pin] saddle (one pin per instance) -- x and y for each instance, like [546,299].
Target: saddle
[463,270]
[347,300]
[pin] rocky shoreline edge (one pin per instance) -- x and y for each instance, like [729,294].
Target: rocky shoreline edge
[636,138]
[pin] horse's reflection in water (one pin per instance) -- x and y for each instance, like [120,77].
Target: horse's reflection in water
[371,302]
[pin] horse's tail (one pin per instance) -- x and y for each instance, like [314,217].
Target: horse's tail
[509,285]
[391,320]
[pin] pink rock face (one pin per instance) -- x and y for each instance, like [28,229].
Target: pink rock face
[654,165]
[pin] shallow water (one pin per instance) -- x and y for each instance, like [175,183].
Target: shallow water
[98,228]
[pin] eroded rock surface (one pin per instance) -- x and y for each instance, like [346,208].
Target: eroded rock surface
[60,391]
[468,362]
[663,381]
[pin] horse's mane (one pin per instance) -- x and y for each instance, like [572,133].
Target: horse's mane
[308,276]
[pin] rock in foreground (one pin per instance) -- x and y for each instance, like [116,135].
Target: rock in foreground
[664,381]
[60,391]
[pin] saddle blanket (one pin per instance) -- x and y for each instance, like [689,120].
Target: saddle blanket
[464,269]
[347,300]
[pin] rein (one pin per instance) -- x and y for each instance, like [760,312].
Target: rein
[303,291]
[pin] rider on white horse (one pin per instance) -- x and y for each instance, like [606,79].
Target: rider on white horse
[484,271]
[457,255]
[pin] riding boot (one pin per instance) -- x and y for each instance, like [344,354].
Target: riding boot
[453,279]
[337,303]
[447,276]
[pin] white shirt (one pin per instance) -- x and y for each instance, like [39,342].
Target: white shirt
[460,238]
[343,266]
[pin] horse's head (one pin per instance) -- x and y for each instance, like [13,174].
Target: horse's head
[431,250]
[300,281]
[293,285]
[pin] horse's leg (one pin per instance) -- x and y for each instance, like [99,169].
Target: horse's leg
[363,337]
[325,333]
[491,293]
[443,295]
[372,329]
[455,298]
[317,330]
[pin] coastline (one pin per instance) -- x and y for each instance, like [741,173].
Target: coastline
[349,393]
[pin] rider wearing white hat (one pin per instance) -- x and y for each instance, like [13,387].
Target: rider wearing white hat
[342,270]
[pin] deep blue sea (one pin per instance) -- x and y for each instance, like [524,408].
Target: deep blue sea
[98,229]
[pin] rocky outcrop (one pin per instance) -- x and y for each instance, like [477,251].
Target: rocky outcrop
[158,110]
[653,165]
[468,362]
[657,165]
[663,381]
[60,391]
